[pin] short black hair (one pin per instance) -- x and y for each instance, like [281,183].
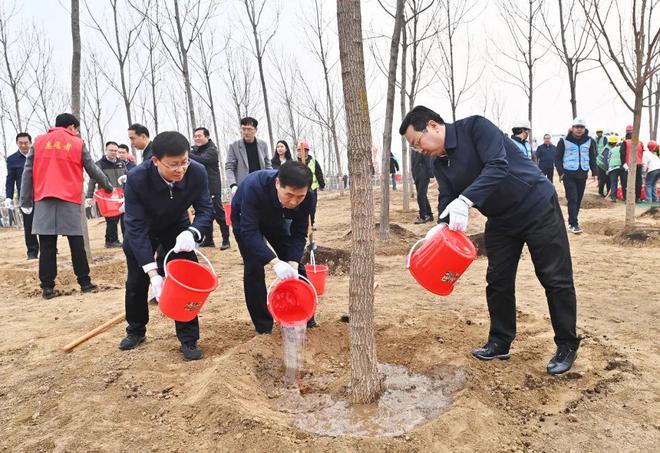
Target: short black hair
[169,143]
[294,174]
[111,143]
[124,146]
[66,120]
[24,134]
[139,129]
[204,130]
[418,118]
[249,121]
[518,130]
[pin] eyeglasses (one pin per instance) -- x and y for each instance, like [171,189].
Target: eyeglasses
[415,145]
[248,129]
[183,166]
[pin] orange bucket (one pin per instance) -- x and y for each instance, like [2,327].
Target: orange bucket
[186,288]
[317,275]
[227,207]
[441,260]
[109,203]
[292,301]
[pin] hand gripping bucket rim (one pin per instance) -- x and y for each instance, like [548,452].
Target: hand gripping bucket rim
[276,283]
[183,285]
[102,200]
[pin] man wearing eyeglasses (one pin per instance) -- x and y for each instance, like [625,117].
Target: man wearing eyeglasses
[477,166]
[246,155]
[158,193]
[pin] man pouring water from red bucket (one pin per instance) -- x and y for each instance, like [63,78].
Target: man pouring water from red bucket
[477,166]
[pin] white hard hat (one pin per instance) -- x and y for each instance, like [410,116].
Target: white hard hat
[579,121]
[521,124]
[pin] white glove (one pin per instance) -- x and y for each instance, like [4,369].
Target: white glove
[233,190]
[284,270]
[89,202]
[9,203]
[458,211]
[185,242]
[157,285]
[122,209]
[432,231]
[625,167]
[122,179]
[26,211]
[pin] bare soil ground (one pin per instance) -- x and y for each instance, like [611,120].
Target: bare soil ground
[98,398]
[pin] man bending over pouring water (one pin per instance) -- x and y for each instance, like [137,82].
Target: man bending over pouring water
[477,166]
[273,206]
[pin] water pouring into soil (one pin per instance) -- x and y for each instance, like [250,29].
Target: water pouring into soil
[293,347]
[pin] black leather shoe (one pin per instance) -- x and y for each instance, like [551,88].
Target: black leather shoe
[131,342]
[312,323]
[490,351]
[207,244]
[225,246]
[562,360]
[49,293]
[113,245]
[419,220]
[191,351]
[88,288]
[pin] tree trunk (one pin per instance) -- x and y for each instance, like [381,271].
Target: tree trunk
[632,166]
[387,131]
[405,161]
[265,93]
[184,66]
[654,108]
[366,382]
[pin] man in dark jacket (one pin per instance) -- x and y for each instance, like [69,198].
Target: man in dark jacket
[476,166]
[124,153]
[139,137]
[422,171]
[114,168]
[545,156]
[273,206]
[394,169]
[158,195]
[206,153]
[318,183]
[15,165]
[576,155]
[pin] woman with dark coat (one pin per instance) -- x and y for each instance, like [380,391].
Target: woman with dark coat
[282,154]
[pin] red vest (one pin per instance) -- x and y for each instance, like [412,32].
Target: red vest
[640,151]
[58,166]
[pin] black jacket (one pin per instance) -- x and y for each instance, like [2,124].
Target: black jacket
[422,166]
[208,156]
[545,155]
[113,170]
[146,152]
[394,165]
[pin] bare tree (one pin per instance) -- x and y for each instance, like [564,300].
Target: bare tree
[572,43]
[255,10]
[629,58]
[288,76]
[93,100]
[366,382]
[15,62]
[653,85]
[239,80]
[153,77]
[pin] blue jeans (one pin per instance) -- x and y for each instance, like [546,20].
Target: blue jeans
[651,181]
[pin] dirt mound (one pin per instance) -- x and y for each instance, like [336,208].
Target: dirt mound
[399,243]
[479,242]
[653,213]
[594,201]
[639,236]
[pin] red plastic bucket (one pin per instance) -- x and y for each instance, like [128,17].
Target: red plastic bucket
[317,276]
[292,301]
[186,288]
[109,203]
[441,260]
[227,207]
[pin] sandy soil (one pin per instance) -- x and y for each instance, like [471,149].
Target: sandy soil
[98,398]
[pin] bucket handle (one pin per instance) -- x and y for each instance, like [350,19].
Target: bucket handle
[412,249]
[302,277]
[196,251]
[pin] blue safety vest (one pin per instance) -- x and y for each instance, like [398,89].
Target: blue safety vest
[576,156]
[524,147]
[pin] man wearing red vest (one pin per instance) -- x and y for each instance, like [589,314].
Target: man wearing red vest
[53,186]
[638,163]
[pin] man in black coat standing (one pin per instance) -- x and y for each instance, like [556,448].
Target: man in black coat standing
[206,153]
[545,155]
[422,170]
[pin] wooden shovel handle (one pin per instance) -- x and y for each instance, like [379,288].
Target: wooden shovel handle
[92,333]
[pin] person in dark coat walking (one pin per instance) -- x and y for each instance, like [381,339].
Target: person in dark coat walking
[422,171]
[52,186]
[545,155]
[206,153]
[476,166]
[576,155]
[271,206]
[124,153]
[15,165]
[158,195]
[394,169]
[139,137]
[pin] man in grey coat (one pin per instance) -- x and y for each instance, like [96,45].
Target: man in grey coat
[52,185]
[246,155]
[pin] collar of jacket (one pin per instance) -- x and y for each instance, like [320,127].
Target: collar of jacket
[196,148]
[518,139]
[451,142]
[159,183]
[578,141]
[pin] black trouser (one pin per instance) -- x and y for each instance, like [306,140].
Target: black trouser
[603,182]
[137,288]
[574,186]
[31,241]
[221,218]
[254,285]
[548,246]
[111,234]
[422,186]
[638,183]
[548,172]
[615,176]
[48,260]
[315,198]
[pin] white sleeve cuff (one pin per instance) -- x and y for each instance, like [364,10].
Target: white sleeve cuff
[150,267]
[466,200]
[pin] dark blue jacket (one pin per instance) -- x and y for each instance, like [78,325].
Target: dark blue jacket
[256,212]
[545,154]
[154,211]
[15,164]
[483,165]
